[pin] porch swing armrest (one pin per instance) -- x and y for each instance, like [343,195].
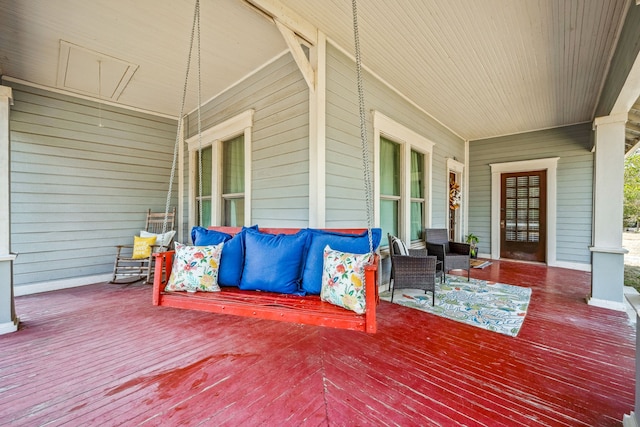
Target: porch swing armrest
[163,260]
[371,294]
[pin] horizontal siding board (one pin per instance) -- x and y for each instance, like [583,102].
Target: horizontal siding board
[151,172]
[69,119]
[49,156]
[88,141]
[272,192]
[284,167]
[47,105]
[78,189]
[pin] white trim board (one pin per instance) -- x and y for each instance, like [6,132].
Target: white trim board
[551,166]
[55,285]
[8,327]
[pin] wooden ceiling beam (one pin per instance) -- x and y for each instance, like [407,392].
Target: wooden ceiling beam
[287,17]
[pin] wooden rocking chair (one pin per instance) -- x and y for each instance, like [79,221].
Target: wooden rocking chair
[126,268]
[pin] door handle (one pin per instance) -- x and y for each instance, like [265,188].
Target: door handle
[502,225]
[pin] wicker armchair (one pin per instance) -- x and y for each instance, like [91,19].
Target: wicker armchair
[454,255]
[411,268]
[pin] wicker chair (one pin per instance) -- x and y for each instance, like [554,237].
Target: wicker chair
[454,255]
[411,268]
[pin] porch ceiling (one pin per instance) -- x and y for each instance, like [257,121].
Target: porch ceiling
[482,69]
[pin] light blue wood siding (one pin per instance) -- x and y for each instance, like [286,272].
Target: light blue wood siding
[345,188]
[280,140]
[572,145]
[78,189]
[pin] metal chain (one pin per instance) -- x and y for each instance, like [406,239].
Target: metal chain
[363,127]
[196,17]
[199,125]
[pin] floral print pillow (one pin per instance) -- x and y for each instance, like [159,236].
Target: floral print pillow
[195,268]
[343,279]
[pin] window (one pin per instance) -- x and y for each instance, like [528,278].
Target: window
[417,195]
[232,194]
[205,198]
[391,197]
[226,183]
[389,186]
[402,179]
[233,182]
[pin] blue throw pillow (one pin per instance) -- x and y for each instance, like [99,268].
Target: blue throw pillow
[232,259]
[351,243]
[201,236]
[273,262]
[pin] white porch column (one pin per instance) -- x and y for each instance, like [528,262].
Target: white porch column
[8,318]
[317,134]
[607,253]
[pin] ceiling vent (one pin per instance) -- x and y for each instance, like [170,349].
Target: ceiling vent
[88,72]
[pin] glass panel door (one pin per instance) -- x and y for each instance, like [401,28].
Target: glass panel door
[522,216]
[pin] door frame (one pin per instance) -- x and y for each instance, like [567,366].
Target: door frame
[497,169]
[454,166]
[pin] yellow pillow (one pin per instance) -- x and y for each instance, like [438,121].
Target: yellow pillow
[142,246]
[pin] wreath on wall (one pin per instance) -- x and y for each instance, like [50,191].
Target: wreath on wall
[455,195]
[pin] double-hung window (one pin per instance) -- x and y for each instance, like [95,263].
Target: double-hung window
[390,197]
[233,182]
[417,215]
[404,164]
[225,174]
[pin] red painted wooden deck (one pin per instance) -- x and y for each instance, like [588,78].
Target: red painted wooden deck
[102,355]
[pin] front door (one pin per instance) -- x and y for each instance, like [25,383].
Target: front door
[523,216]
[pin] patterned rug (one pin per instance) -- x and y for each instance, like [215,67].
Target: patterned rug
[493,306]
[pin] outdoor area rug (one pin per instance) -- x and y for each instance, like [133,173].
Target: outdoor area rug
[493,306]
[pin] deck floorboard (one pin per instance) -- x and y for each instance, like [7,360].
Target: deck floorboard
[102,355]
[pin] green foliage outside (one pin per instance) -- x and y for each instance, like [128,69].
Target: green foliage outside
[632,190]
[632,277]
[632,211]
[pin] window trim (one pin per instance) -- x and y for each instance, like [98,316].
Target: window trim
[408,140]
[241,124]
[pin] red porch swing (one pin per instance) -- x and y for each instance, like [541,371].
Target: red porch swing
[307,309]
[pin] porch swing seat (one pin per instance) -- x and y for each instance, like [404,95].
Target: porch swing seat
[307,309]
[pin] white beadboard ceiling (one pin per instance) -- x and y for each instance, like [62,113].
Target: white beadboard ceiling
[482,68]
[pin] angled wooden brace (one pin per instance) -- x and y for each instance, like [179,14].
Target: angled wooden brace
[301,59]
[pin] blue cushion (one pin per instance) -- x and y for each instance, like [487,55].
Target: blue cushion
[351,243]
[201,236]
[273,262]
[232,259]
